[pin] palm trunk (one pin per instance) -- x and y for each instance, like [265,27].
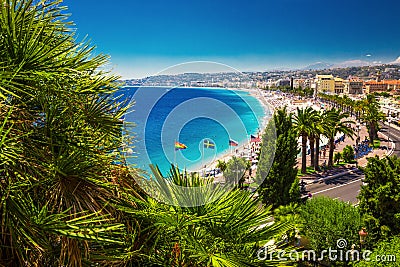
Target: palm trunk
[375,128]
[303,153]
[371,133]
[331,150]
[311,139]
[316,159]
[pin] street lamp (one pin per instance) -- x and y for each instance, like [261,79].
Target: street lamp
[239,171]
[363,235]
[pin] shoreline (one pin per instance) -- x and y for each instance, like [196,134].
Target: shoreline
[244,145]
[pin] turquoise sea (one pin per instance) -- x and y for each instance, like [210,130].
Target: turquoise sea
[188,115]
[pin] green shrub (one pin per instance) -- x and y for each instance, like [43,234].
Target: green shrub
[338,157]
[348,154]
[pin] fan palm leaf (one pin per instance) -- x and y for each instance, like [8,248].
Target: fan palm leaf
[336,124]
[55,150]
[225,232]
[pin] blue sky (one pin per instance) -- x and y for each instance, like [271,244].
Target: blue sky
[145,36]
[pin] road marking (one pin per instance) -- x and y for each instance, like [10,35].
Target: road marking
[394,135]
[328,189]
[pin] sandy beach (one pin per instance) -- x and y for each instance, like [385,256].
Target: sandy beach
[244,148]
[270,102]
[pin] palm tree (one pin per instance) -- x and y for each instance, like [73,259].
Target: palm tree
[358,108]
[318,131]
[221,164]
[313,137]
[335,124]
[290,213]
[303,122]
[348,104]
[371,116]
[56,172]
[63,201]
[224,232]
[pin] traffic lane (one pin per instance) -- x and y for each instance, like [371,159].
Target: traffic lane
[322,185]
[385,126]
[394,135]
[346,192]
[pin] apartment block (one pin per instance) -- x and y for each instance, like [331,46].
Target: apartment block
[325,84]
[355,86]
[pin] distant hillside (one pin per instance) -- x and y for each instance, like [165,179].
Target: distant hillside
[344,64]
[386,71]
[318,66]
[353,63]
[396,62]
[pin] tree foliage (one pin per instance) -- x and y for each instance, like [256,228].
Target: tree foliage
[372,115]
[336,124]
[279,184]
[348,154]
[367,110]
[63,201]
[379,197]
[303,122]
[338,157]
[225,232]
[386,253]
[327,220]
[221,164]
[235,169]
[59,123]
[289,214]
